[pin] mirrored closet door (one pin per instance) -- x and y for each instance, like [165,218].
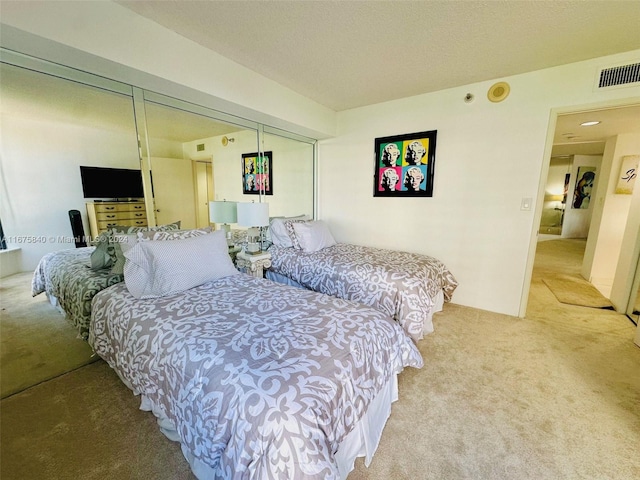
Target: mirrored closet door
[193,159]
[196,155]
[52,126]
[633,308]
[57,119]
[292,190]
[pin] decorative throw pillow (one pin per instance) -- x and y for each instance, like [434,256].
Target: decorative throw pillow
[158,268]
[313,236]
[106,252]
[101,256]
[292,233]
[277,232]
[124,243]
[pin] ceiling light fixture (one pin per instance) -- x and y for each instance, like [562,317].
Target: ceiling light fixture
[589,124]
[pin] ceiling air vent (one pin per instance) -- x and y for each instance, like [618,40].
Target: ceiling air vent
[622,75]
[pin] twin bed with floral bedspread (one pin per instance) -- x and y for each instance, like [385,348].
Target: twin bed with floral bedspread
[407,286]
[70,284]
[257,380]
[254,379]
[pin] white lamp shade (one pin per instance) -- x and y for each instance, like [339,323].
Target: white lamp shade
[223,212]
[253,214]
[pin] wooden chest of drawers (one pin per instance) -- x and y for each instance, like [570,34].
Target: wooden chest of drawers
[103,215]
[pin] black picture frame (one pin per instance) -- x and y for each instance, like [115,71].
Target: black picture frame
[399,158]
[257,173]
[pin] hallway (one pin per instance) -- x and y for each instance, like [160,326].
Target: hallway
[565,256]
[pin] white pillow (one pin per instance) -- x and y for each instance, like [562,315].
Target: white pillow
[158,268]
[313,236]
[278,232]
[125,242]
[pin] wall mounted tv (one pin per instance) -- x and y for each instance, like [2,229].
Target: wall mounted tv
[99,182]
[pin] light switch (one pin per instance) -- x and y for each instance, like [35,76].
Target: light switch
[526,203]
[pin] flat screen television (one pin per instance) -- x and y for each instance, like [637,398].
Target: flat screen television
[100,182]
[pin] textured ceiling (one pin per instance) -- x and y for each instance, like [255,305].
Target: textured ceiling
[346,54]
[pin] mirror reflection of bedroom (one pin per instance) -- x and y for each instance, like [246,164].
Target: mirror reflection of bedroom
[190,156]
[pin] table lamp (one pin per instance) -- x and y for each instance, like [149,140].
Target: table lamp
[255,216]
[223,213]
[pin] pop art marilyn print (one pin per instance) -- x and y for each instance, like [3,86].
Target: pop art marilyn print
[404,165]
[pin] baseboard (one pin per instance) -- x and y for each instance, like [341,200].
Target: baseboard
[10,260]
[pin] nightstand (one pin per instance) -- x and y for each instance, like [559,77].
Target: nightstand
[253,264]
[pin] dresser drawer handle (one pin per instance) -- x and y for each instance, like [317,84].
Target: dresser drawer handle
[110,216]
[109,208]
[139,214]
[137,207]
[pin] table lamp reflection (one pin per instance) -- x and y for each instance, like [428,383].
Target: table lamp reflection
[223,213]
[255,216]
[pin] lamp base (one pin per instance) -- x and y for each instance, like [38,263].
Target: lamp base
[227,232]
[253,248]
[259,252]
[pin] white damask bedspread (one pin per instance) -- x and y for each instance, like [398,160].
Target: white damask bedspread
[261,380]
[401,284]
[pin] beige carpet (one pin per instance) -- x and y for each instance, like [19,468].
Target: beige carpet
[553,396]
[84,425]
[575,290]
[36,342]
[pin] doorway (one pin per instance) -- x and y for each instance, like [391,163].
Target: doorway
[571,138]
[633,308]
[203,172]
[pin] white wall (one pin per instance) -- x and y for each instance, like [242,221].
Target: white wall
[40,160]
[617,226]
[292,177]
[489,157]
[227,168]
[160,147]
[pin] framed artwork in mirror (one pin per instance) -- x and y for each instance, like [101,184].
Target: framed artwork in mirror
[405,165]
[257,173]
